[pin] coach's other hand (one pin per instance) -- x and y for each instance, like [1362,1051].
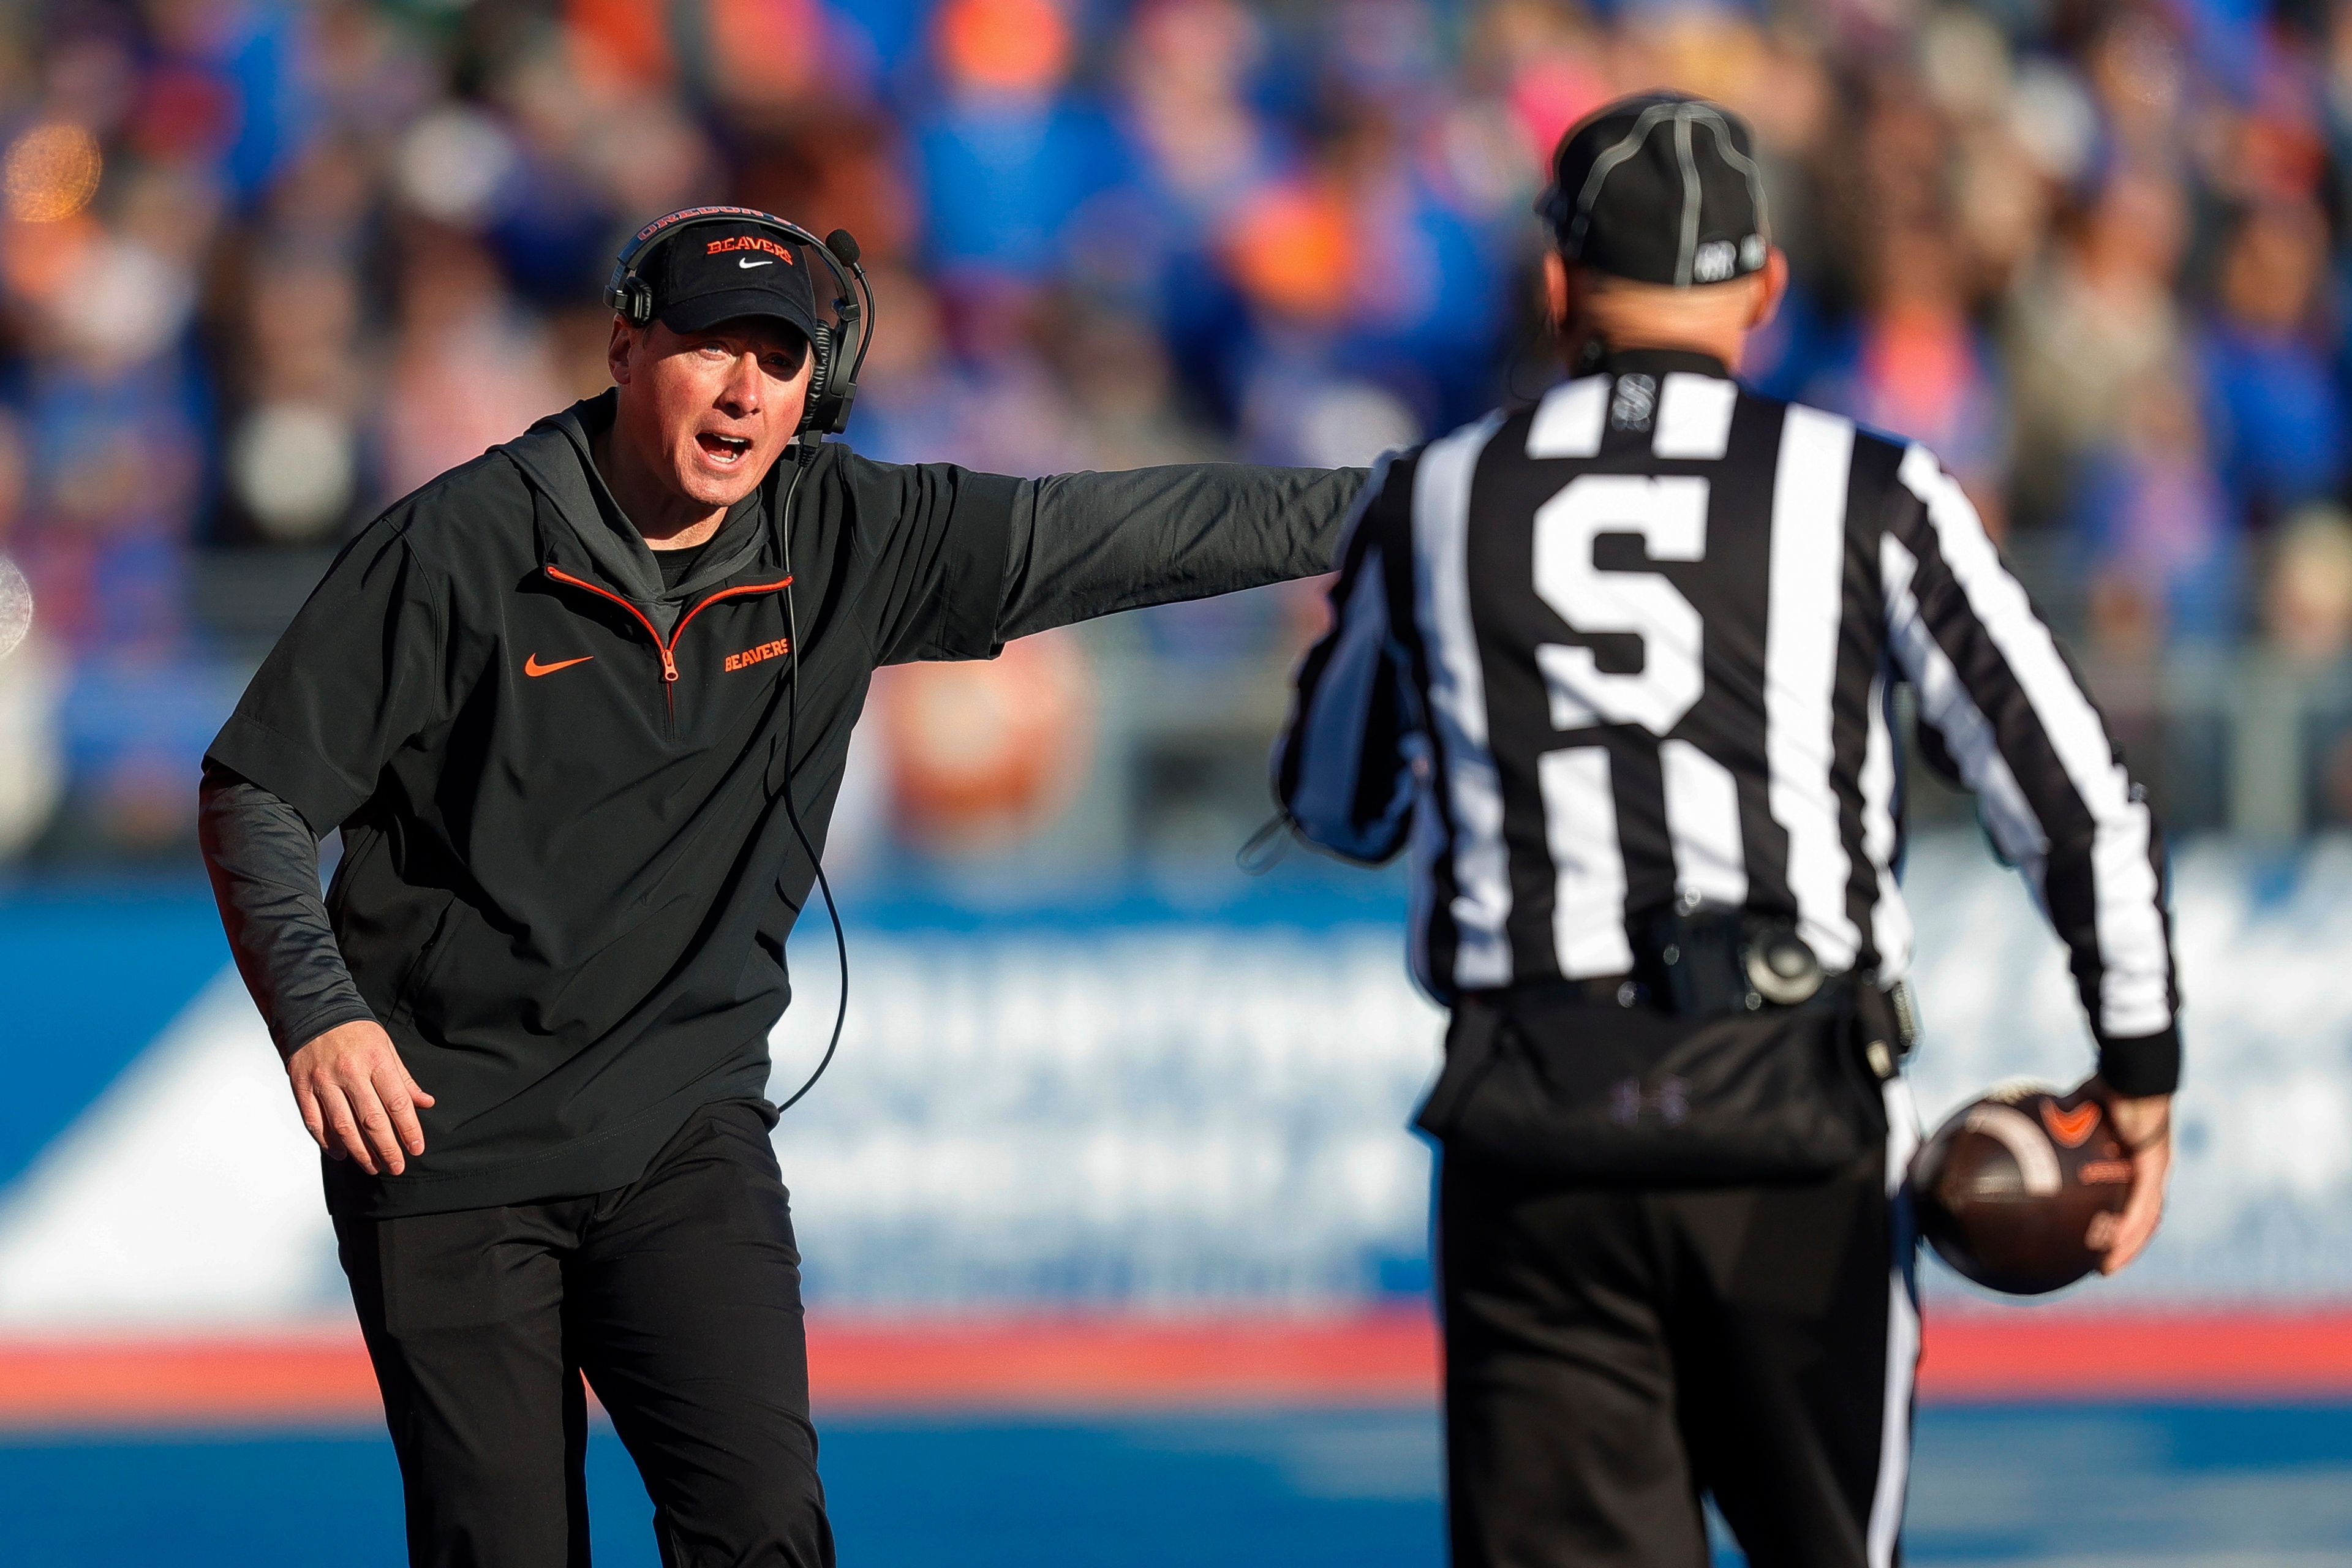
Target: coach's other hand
[357,1099]
[2145,1126]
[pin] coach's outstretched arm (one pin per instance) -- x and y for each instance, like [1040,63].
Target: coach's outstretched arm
[2026,736]
[981,558]
[1091,545]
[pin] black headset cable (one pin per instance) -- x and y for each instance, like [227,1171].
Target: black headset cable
[803,456]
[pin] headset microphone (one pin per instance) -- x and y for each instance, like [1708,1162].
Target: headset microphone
[856,317]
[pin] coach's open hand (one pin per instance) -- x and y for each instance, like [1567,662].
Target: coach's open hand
[2145,1126]
[357,1097]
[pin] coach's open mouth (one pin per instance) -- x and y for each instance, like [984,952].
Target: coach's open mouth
[724,449]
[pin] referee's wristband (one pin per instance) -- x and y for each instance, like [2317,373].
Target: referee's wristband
[2141,1066]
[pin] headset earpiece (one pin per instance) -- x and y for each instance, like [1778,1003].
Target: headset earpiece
[829,406]
[820,355]
[629,296]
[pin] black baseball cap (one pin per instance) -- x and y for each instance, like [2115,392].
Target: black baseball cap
[715,272]
[1659,189]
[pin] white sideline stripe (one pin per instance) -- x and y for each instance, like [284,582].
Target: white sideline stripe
[1588,911]
[1800,644]
[186,1197]
[1945,704]
[1902,1337]
[1441,532]
[1567,421]
[1703,822]
[2126,902]
[1890,919]
[1694,415]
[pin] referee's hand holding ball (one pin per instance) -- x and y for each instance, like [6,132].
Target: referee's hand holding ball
[357,1097]
[2144,1124]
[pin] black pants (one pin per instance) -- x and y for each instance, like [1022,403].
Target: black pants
[1612,1354]
[677,1295]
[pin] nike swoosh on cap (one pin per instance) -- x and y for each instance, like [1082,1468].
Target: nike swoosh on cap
[532,666]
[747,261]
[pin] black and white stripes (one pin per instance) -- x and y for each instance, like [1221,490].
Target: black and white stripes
[1614,650]
[2013,713]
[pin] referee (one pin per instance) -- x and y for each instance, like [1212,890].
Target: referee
[580,709]
[1615,670]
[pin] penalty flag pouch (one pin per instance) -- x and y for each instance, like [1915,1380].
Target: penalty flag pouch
[1566,1090]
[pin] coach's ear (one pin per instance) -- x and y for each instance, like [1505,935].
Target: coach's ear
[618,350]
[1772,286]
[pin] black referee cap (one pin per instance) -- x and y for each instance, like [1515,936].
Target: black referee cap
[1659,189]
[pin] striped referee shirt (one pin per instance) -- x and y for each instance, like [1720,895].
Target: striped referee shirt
[1638,643]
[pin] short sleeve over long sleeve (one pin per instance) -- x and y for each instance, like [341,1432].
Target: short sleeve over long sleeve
[357,676]
[939,534]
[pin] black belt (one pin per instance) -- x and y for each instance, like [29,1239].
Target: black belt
[1618,991]
[1697,961]
[1889,1027]
[1597,991]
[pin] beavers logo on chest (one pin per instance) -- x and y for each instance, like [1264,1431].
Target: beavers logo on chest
[760,655]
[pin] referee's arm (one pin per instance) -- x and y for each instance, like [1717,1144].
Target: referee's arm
[2027,739]
[1343,766]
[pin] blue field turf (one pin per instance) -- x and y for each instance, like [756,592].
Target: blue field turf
[91,976]
[2058,1487]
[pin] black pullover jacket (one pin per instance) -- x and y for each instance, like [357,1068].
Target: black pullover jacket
[568,873]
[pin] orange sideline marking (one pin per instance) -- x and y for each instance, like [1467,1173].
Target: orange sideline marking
[1384,1358]
[2016,1354]
[295,1381]
[1109,1362]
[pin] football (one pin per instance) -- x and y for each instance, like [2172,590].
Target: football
[2019,1190]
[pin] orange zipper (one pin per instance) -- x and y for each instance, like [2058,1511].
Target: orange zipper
[724,593]
[669,650]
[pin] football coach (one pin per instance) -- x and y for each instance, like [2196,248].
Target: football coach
[1618,668]
[580,709]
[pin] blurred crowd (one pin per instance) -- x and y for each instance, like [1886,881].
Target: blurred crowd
[267,264]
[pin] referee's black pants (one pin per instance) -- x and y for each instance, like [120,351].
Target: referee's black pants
[677,1295]
[1613,1353]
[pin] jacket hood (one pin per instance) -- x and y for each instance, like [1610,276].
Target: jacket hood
[556,457]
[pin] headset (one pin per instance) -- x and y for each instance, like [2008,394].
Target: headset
[826,412]
[832,389]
